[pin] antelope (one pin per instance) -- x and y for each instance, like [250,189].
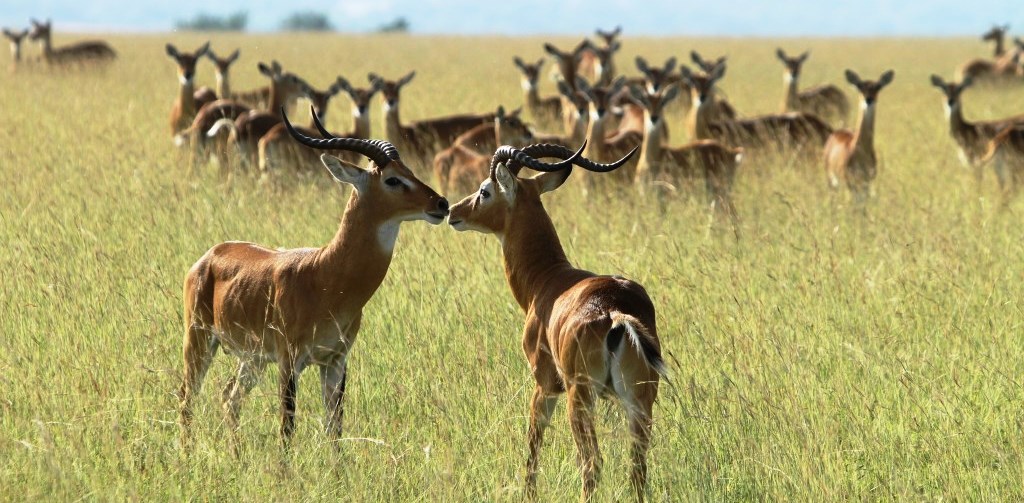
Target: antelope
[851,156]
[425,137]
[16,38]
[247,129]
[92,50]
[303,306]
[706,65]
[566,65]
[972,138]
[189,99]
[1006,150]
[705,160]
[546,110]
[1004,65]
[785,131]
[598,63]
[585,335]
[580,115]
[222,69]
[462,164]
[827,102]
[277,145]
[600,145]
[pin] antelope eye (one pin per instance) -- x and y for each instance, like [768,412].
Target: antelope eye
[484,194]
[392,182]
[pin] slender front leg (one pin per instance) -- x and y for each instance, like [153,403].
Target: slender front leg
[332,383]
[287,391]
[581,418]
[541,408]
[198,350]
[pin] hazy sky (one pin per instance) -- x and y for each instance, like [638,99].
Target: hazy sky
[655,17]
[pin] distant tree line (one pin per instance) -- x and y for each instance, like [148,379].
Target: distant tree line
[297,21]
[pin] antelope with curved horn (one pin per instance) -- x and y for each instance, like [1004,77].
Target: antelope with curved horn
[190,100]
[547,110]
[850,156]
[303,306]
[1004,64]
[278,147]
[827,101]
[706,160]
[1006,151]
[972,138]
[79,52]
[786,131]
[424,138]
[15,38]
[585,335]
[604,144]
[459,167]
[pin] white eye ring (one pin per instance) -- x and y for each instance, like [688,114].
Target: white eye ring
[484,193]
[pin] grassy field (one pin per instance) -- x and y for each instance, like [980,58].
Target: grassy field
[825,355]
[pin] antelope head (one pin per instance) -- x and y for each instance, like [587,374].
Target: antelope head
[656,77]
[996,33]
[793,65]
[654,104]
[222,65]
[510,128]
[869,89]
[609,36]
[187,62]
[702,85]
[40,30]
[530,72]
[952,91]
[390,90]
[395,191]
[600,97]
[320,99]
[16,38]
[706,65]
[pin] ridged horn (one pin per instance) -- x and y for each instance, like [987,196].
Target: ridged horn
[378,151]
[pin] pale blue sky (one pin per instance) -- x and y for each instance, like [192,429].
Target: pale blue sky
[656,17]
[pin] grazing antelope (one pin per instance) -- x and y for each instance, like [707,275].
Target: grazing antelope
[1006,151]
[190,100]
[80,52]
[15,38]
[603,146]
[278,147]
[827,101]
[222,70]
[598,63]
[705,160]
[1004,65]
[585,335]
[547,110]
[786,131]
[972,138]
[303,306]
[460,166]
[850,156]
[423,138]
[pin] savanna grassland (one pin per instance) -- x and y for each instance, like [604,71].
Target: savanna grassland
[824,355]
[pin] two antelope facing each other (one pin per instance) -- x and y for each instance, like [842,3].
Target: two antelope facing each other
[586,335]
[81,53]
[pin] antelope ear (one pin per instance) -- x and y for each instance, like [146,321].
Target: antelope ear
[670,93]
[500,113]
[938,82]
[546,182]
[852,77]
[686,75]
[202,50]
[264,69]
[234,55]
[967,82]
[695,57]
[779,53]
[641,64]
[552,50]
[670,65]
[341,84]
[519,63]
[886,78]
[718,72]
[345,172]
[171,50]
[408,78]
[506,181]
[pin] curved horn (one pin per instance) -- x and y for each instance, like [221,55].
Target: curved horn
[526,157]
[319,125]
[380,152]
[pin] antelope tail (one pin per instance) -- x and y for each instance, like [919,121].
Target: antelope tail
[639,337]
[220,124]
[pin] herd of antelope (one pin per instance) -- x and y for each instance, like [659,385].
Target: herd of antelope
[585,336]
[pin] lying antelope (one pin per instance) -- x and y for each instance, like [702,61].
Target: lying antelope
[1006,151]
[784,132]
[303,306]
[827,101]
[972,138]
[586,335]
[189,99]
[1003,66]
[706,160]
[423,138]
[460,166]
[604,144]
[547,110]
[277,147]
[850,156]
[15,38]
[80,52]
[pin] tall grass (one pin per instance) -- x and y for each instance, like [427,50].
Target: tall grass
[825,355]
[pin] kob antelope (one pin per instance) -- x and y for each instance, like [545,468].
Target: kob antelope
[222,71]
[566,69]
[277,147]
[972,138]
[585,335]
[79,52]
[1003,66]
[189,99]
[460,166]
[547,110]
[598,64]
[827,101]
[15,38]
[303,306]
[1006,152]
[850,156]
[605,144]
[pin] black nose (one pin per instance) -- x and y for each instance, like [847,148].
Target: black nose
[189,75]
[443,205]
[654,118]
[362,109]
[600,112]
[392,103]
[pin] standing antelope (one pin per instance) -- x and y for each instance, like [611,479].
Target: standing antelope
[598,63]
[222,70]
[585,335]
[278,147]
[580,115]
[1004,64]
[705,160]
[1006,150]
[565,69]
[972,138]
[786,131]
[547,110]
[16,38]
[80,52]
[303,306]
[851,156]
[189,99]
[827,101]
[459,167]
[602,144]
[424,138]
